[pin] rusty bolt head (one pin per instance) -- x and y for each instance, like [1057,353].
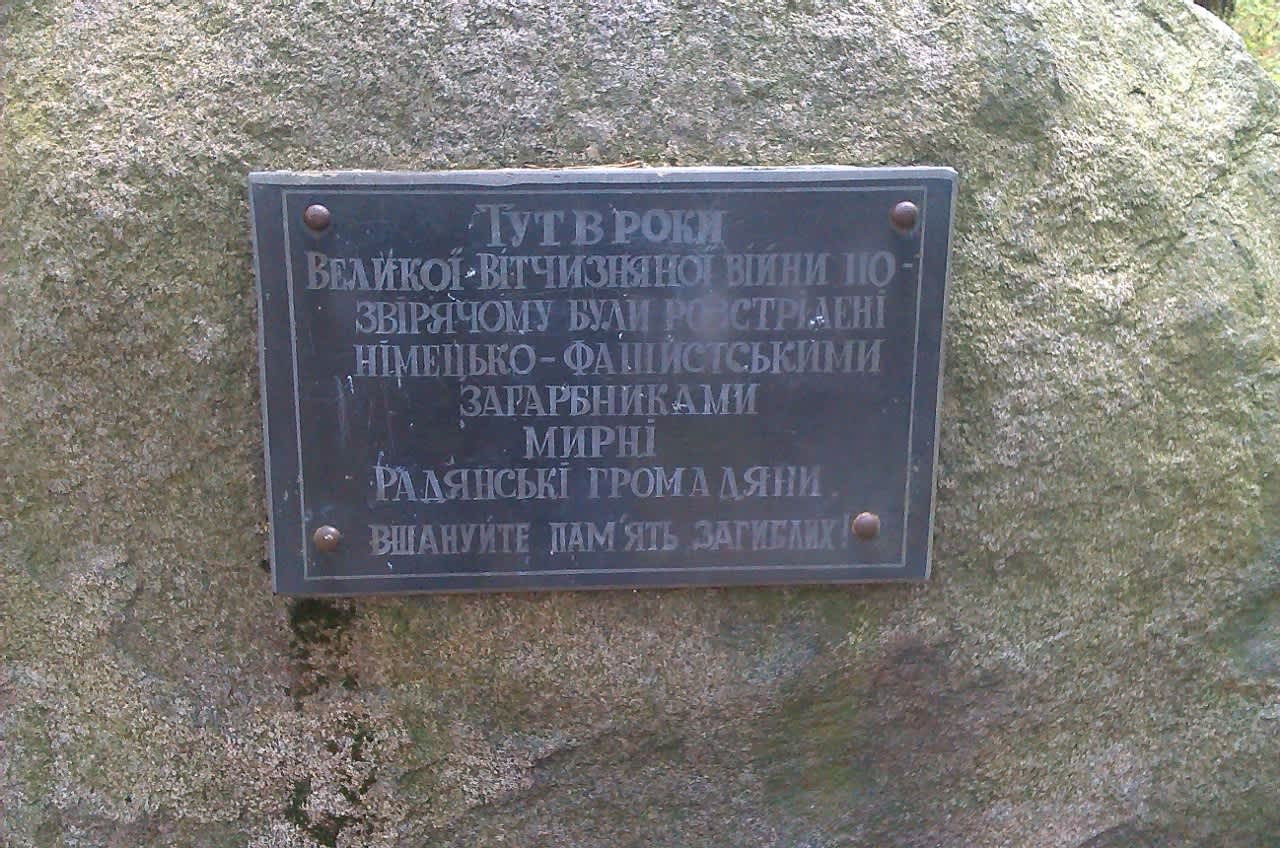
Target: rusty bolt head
[904,216]
[316,217]
[326,539]
[866,526]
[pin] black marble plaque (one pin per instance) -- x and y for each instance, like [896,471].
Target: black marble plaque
[511,380]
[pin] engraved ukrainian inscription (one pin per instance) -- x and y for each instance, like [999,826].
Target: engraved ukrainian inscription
[560,382]
[717,307]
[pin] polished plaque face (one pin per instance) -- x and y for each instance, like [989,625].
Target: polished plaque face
[510,380]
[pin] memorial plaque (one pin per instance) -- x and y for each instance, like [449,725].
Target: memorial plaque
[510,380]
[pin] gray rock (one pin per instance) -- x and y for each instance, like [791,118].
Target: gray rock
[1098,645]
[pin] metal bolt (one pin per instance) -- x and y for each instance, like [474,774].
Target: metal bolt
[316,217]
[326,539]
[904,216]
[866,526]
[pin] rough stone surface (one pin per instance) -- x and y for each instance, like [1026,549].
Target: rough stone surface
[1095,662]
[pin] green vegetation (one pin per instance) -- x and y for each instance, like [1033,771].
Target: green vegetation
[1258,22]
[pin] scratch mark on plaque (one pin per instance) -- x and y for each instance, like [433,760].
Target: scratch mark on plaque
[344,426]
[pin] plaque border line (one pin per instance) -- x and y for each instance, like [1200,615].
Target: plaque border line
[297,399]
[263,390]
[568,187]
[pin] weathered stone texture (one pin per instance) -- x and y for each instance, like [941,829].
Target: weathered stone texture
[1096,660]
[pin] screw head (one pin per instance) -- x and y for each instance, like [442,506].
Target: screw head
[904,216]
[316,217]
[326,538]
[866,526]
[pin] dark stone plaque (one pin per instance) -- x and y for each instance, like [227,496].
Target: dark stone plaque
[600,378]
